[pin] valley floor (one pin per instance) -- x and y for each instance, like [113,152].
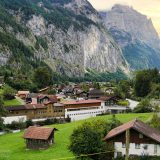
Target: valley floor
[12,146]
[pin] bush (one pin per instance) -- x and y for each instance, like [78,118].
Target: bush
[87,139]
[16,125]
[29,123]
[123,103]
[143,107]
[9,93]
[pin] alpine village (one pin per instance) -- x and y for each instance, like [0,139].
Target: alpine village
[79,79]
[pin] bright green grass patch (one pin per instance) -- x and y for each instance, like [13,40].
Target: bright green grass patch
[1,91]
[12,146]
[12,102]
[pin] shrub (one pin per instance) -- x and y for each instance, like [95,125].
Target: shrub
[16,125]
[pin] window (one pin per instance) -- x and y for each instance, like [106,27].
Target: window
[123,145]
[145,147]
[137,146]
[140,136]
[155,149]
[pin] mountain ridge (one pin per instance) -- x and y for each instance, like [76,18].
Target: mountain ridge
[68,38]
[136,35]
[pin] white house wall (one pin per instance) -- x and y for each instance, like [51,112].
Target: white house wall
[150,151]
[9,120]
[84,113]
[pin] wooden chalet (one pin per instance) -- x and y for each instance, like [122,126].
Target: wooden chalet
[50,109]
[23,94]
[39,137]
[95,93]
[109,101]
[140,138]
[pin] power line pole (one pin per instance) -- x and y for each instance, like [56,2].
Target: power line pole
[127,144]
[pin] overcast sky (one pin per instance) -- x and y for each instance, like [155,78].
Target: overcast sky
[151,8]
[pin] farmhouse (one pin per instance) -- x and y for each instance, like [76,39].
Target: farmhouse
[39,137]
[110,104]
[23,94]
[38,111]
[142,139]
[95,93]
[31,111]
[81,109]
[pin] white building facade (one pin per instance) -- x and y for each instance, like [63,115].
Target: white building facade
[137,149]
[84,109]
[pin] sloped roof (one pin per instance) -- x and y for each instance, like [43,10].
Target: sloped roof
[82,102]
[96,91]
[40,133]
[25,107]
[138,126]
[104,98]
[23,92]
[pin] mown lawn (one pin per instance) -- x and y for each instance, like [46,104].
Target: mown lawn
[12,102]
[12,146]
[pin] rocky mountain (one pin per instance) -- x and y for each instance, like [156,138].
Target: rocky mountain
[136,35]
[67,35]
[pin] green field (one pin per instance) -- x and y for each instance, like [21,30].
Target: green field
[12,102]
[12,146]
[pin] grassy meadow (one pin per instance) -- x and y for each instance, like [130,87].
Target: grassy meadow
[12,146]
[12,102]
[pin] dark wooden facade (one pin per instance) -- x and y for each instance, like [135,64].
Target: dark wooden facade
[135,137]
[37,144]
[38,137]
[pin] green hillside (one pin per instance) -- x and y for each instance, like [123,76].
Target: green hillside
[12,146]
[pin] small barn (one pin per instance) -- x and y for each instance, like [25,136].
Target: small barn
[39,137]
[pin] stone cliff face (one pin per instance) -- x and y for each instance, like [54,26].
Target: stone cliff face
[73,52]
[85,44]
[136,35]
[129,20]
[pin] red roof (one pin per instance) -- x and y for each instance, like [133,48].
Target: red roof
[82,102]
[40,133]
[138,126]
[35,106]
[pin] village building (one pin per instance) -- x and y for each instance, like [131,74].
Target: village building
[109,91]
[31,111]
[68,91]
[39,137]
[110,104]
[32,98]
[49,109]
[142,139]
[44,90]
[23,94]
[82,109]
[95,93]
[79,93]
